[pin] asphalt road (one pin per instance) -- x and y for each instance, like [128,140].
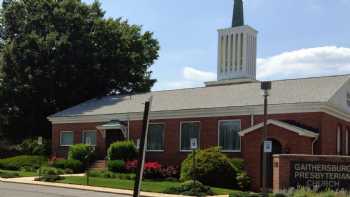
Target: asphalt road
[22,190]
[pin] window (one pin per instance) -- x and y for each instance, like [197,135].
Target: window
[229,139]
[89,138]
[66,138]
[155,137]
[338,140]
[188,131]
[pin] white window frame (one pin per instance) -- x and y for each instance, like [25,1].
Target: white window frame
[199,135]
[339,140]
[61,132]
[164,128]
[83,137]
[240,138]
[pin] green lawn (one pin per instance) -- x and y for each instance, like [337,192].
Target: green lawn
[148,186]
[20,173]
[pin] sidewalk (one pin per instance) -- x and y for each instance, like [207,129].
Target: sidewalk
[30,180]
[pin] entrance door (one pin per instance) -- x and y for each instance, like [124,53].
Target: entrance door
[113,135]
[276,149]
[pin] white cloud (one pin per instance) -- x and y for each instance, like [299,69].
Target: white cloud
[319,61]
[193,74]
[328,60]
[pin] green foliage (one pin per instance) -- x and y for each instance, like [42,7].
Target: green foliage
[238,164]
[81,152]
[56,54]
[8,175]
[116,166]
[51,171]
[212,168]
[49,178]
[75,165]
[24,161]
[190,188]
[111,175]
[243,181]
[306,192]
[243,194]
[31,147]
[122,150]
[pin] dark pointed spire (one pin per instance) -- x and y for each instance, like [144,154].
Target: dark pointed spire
[238,16]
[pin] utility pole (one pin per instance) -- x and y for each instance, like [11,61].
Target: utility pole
[265,86]
[142,149]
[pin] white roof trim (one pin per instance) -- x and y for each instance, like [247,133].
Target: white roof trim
[298,130]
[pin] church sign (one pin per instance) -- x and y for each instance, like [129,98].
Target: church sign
[320,174]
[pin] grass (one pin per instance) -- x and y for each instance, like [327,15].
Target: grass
[147,185]
[20,173]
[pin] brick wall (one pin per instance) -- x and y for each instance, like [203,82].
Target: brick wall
[209,137]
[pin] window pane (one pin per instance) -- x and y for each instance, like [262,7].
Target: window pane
[229,137]
[155,137]
[66,138]
[89,137]
[189,131]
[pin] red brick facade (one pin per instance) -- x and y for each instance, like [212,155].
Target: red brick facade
[250,144]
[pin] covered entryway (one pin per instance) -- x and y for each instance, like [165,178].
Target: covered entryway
[113,131]
[276,149]
[287,138]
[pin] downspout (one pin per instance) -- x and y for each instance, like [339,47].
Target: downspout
[251,119]
[313,144]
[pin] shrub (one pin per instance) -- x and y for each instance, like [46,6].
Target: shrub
[152,170]
[8,175]
[131,166]
[243,181]
[49,178]
[238,164]
[190,188]
[51,171]
[75,165]
[170,172]
[24,161]
[123,150]
[116,166]
[212,168]
[81,152]
[31,147]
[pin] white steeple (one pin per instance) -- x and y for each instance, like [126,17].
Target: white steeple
[237,49]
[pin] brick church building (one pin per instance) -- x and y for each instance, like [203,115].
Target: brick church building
[308,116]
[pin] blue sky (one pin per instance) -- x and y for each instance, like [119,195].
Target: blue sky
[297,38]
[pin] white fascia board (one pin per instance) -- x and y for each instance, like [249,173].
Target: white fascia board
[298,130]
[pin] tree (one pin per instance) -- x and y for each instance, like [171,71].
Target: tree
[58,53]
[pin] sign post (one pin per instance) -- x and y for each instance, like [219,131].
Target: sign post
[142,149]
[40,142]
[194,146]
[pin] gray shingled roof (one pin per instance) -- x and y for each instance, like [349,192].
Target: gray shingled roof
[307,90]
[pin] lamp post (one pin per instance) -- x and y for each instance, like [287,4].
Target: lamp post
[265,87]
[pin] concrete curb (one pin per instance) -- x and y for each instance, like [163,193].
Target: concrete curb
[30,181]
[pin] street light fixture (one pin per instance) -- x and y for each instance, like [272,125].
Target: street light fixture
[266,87]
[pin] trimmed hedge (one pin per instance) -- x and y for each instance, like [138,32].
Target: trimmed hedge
[23,161]
[123,150]
[81,152]
[75,165]
[212,168]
